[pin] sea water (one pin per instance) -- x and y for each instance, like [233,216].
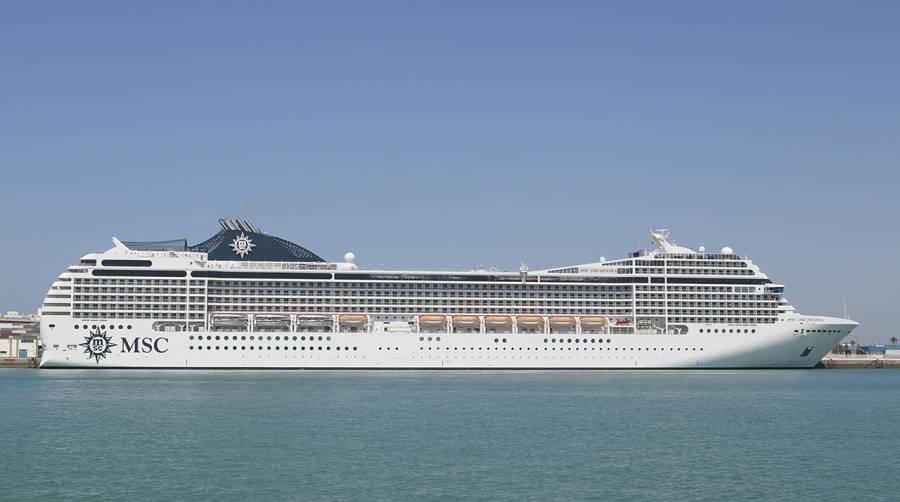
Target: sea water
[447,435]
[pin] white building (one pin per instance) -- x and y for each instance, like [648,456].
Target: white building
[19,335]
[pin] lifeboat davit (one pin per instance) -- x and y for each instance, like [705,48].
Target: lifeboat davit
[353,319]
[560,320]
[432,319]
[594,320]
[529,320]
[498,319]
[623,321]
[465,320]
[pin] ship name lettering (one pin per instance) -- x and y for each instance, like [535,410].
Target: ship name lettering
[145,345]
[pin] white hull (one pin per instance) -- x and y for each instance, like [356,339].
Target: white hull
[797,342]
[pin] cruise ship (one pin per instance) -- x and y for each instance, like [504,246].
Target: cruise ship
[245,299]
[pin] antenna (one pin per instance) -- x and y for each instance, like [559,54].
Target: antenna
[844,301]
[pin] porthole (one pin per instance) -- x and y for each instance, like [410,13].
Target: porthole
[120,326]
[421,338]
[327,338]
[217,337]
[191,347]
[191,337]
[437,338]
[129,326]
[295,338]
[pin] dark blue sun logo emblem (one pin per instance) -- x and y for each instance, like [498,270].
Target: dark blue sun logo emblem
[97,345]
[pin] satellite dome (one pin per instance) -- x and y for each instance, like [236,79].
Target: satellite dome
[727,250]
[702,249]
[349,257]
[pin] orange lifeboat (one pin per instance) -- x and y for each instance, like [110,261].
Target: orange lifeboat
[529,320]
[498,319]
[560,320]
[352,318]
[432,319]
[594,320]
[465,320]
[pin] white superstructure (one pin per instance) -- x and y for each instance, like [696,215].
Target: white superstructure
[246,299]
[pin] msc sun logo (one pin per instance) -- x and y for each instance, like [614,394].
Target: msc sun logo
[242,245]
[97,345]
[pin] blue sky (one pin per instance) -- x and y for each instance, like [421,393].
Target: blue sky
[460,134]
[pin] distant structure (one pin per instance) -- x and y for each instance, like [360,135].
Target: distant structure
[19,336]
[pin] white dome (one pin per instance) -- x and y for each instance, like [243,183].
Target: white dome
[702,249]
[602,259]
[349,257]
[727,250]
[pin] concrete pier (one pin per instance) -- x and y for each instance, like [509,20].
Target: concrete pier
[859,361]
[19,362]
